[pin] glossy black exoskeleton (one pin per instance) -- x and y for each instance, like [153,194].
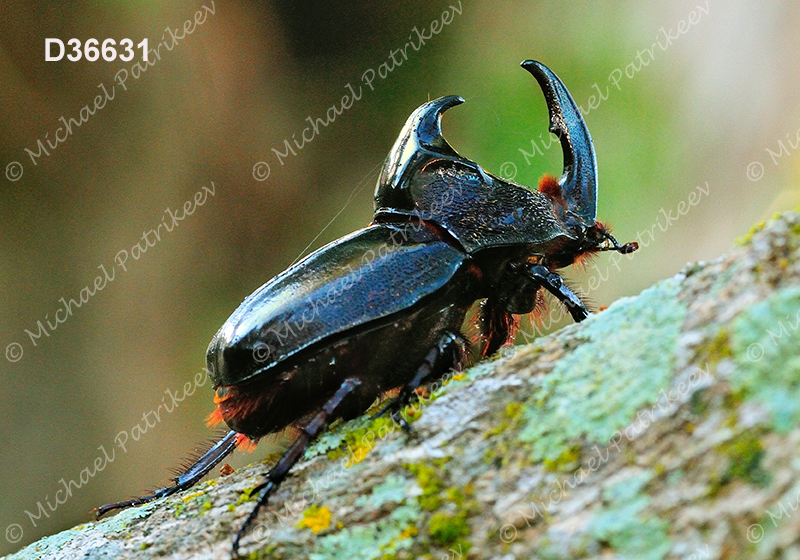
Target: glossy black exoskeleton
[383,308]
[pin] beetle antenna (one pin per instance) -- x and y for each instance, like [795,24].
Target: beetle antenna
[623,249]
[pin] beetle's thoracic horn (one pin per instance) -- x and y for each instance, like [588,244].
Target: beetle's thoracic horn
[428,123]
[420,141]
[421,135]
[579,181]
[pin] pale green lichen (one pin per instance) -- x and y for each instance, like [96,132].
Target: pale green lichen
[392,490]
[765,341]
[52,544]
[625,524]
[124,518]
[568,461]
[485,368]
[373,540]
[179,509]
[618,369]
[379,539]
[361,438]
[46,545]
[332,439]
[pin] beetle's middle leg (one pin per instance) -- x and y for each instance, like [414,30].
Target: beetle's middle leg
[295,452]
[449,353]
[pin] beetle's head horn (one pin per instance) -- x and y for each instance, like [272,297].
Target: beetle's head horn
[579,180]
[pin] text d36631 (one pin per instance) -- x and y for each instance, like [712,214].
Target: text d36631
[92,50]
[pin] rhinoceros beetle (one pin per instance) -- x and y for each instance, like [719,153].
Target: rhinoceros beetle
[383,308]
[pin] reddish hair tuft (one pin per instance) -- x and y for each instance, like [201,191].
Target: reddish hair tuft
[245,443]
[214,418]
[549,185]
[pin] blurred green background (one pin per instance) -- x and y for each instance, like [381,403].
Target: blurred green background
[705,109]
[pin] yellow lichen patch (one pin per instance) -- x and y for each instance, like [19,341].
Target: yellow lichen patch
[514,412]
[717,349]
[315,518]
[566,462]
[430,483]
[410,531]
[245,496]
[193,495]
[358,454]
[746,238]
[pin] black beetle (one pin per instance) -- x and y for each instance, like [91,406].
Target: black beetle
[383,308]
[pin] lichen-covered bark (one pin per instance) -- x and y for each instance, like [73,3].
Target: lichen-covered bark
[664,427]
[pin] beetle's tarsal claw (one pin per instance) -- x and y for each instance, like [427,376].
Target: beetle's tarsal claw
[398,418]
[623,249]
[579,181]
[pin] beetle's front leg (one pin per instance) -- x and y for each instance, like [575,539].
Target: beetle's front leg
[554,284]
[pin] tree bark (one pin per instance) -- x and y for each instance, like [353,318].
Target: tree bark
[666,426]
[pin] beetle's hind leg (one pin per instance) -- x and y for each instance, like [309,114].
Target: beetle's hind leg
[186,479]
[449,353]
[292,455]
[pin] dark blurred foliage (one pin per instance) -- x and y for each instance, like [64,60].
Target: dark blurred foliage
[245,80]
